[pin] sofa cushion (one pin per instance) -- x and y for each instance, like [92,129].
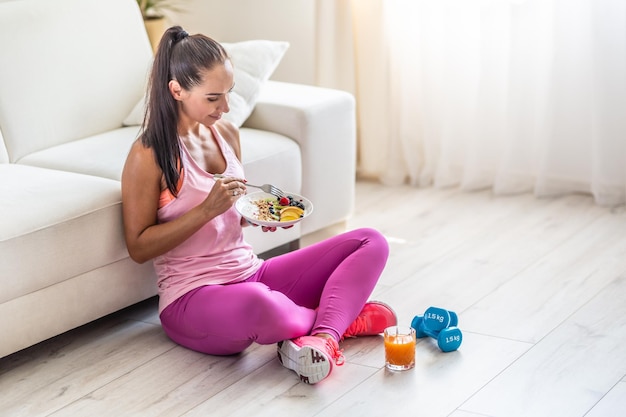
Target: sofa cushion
[102,155]
[55,225]
[254,62]
[268,156]
[66,80]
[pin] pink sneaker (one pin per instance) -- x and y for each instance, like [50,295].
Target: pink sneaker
[373,319]
[311,357]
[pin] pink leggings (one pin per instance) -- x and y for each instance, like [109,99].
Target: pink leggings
[317,289]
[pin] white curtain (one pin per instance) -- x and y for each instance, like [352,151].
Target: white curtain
[512,95]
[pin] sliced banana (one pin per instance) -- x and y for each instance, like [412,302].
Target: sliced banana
[290,213]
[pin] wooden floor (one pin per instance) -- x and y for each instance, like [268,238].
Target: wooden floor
[539,286]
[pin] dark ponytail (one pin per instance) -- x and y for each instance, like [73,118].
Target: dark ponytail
[183,58]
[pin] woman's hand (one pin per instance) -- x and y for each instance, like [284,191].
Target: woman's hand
[223,195]
[268,228]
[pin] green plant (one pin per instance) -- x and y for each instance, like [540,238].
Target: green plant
[155,9]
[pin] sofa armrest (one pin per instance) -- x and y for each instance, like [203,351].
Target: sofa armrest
[323,122]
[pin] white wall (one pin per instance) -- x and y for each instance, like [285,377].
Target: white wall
[238,20]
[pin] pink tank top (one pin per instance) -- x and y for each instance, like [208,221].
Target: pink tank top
[215,254]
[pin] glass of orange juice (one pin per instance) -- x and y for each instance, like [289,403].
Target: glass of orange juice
[399,348]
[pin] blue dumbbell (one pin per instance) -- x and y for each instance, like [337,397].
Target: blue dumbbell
[437,319]
[448,339]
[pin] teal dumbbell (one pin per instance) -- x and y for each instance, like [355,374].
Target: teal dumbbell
[448,339]
[437,319]
[439,324]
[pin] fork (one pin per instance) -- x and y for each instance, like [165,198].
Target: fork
[268,188]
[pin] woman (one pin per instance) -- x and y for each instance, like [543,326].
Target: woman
[215,295]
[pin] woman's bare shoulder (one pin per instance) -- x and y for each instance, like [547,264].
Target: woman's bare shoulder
[230,133]
[227,128]
[141,160]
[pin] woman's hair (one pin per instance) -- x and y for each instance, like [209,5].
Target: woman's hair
[184,58]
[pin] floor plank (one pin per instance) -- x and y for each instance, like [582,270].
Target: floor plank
[612,404]
[57,376]
[544,294]
[438,383]
[570,370]
[170,383]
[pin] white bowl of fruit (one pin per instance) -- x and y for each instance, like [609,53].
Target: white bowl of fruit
[268,210]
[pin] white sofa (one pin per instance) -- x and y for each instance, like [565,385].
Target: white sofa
[71,71]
